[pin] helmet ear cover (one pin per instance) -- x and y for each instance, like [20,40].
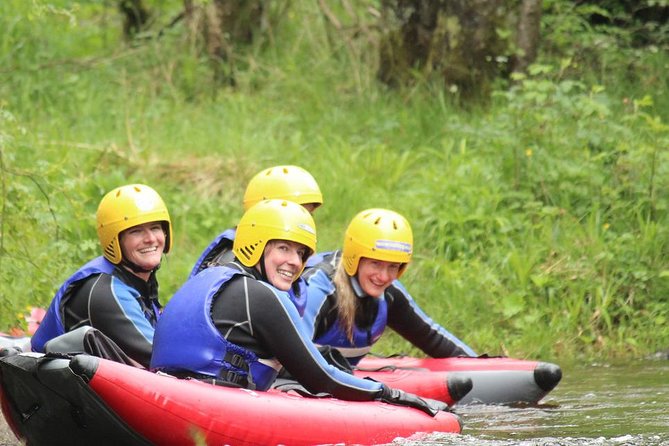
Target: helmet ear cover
[378,234]
[273,220]
[290,183]
[125,207]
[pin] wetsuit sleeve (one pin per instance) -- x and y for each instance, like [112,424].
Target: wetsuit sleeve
[408,320]
[277,324]
[114,309]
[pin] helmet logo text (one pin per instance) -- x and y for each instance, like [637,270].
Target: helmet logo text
[391,245]
[307,228]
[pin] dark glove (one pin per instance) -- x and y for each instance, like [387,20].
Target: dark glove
[402,398]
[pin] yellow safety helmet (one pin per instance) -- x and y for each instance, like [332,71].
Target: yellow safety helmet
[272,220]
[291,183]
[125,207]
[377,234]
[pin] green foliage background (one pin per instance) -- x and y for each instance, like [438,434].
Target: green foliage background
[540,218]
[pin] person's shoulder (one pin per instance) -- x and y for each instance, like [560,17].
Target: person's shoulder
[259,293]
[83,285]
[96,277]
[100,287]
[267,289]
[324,261]
[245,281]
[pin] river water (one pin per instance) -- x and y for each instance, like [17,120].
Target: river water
[595,404]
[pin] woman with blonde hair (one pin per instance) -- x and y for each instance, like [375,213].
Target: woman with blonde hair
[354,294]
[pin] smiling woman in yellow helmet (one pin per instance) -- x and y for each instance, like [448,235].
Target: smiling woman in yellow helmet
[242,325]
[116,293]
[354,294]
[290,183]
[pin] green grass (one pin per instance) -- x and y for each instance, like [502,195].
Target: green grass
[540,219]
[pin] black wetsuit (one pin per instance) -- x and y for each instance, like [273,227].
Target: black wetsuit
[122,306]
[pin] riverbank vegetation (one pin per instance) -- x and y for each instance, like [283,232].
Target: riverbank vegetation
[539,213]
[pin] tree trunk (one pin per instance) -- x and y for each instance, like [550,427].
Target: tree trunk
[135,17]
[529,25]
[454,39]
[408,27]
[223,26]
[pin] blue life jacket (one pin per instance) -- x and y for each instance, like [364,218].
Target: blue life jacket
[186,339]
[320,287]
[52,324]
[228,234]
[317,258]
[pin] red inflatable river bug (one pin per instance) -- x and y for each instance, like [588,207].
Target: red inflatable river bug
[88,400]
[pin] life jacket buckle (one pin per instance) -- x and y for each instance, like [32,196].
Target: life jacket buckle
[233,377]
[237,361]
